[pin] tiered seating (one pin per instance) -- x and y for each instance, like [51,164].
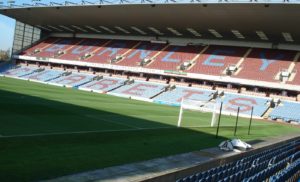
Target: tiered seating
[296,80]
[45,75]
[231,102]
[174,56]
[287,173]
[85,46]
[175,96]
[261,64]
[287,111]
[111,50]
[140,89]
[257,167]
[20,71]
[61,45]
[144,50]
[42,45]
[216,59]
[73,80]
[104,85]
[264,64]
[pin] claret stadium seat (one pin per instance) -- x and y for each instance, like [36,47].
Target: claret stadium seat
[265,64]
[216,59]
[40,46]
[84,47]
[296,79]
[111,50]
[60,45]
[142,51]
[173,56]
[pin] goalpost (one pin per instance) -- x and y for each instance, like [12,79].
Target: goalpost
[202,106]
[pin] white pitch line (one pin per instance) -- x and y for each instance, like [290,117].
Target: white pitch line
[208,126]
[115,122]
[106,131]
[85,132]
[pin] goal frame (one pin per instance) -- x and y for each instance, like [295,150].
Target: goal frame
[214,110]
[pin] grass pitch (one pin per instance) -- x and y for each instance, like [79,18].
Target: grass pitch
[49,131]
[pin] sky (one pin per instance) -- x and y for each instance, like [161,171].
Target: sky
[7,28]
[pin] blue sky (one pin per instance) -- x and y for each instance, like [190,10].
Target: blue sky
[7,28]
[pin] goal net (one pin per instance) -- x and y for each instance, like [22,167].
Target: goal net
[200,106]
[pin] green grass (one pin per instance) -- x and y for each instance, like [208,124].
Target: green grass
[42,122]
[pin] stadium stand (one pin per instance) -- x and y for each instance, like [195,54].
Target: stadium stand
[258,167]
[173,56]
[159,92]
[73,80]
[58,48]
[216,59]
[141,89]
[45,75]
[287,173]
[104,85]
[20,71]
[84,47]
[40,46]
[218,51]
[110,50]
[231,102]
[287,111]
[175,96]
[265,64]
[296,79]
[142,51]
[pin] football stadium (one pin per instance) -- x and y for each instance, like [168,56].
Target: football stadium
[151,90]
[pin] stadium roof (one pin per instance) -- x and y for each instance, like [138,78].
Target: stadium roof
[277,23]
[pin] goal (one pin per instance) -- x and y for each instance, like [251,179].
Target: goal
[203,106]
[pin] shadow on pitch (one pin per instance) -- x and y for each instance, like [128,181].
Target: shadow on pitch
[51,138]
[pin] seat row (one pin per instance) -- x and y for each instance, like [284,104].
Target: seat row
[287,173]
[253,64]
[258,167]
[158,92]
[286,112]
